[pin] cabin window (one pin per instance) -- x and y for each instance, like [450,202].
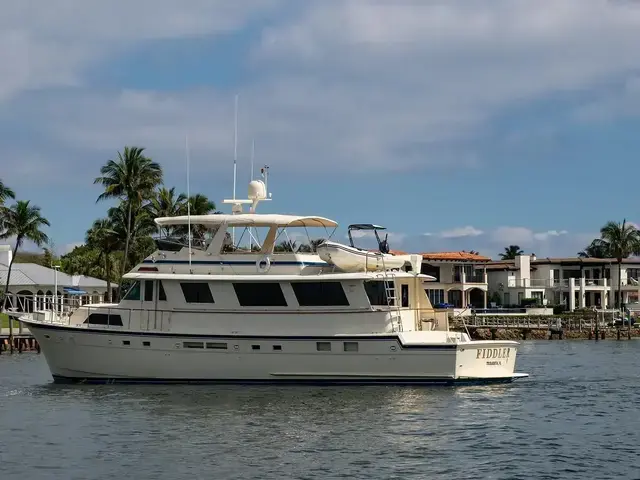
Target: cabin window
[216,345]
[277,348]
[162,296]
[260,294]
[148,290]
[350,346]
[193,344]
[377,293]
[146,344]
[404,289]
[197,292]
[133,293]
[255,347]
[104,319]
[323,346]
[319,294]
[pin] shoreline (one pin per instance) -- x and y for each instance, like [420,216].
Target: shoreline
[608,333]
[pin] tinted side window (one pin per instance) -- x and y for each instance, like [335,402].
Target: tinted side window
[260,294]
[133,293]
[316,294]
[376,292]
[148,290]
[196,292]
[104,319]
[161,295]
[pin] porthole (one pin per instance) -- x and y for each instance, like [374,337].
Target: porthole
[236,347]
[392,348]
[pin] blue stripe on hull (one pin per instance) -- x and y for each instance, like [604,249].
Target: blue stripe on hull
[235,262]
[448,382]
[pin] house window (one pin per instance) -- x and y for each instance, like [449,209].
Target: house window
[104,319]
[427,269]
[148,290]
[133,293]
[162,296]
[376,292]
[507,299]
[319,294]
[520,297]
[196,292]
[436,296]
[260,294]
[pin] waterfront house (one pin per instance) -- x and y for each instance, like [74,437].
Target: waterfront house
[461,280]
[573,281]
[37,284]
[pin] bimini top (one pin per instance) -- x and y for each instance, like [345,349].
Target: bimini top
[365,226]
[248,219]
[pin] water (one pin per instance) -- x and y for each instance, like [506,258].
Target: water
[576,417]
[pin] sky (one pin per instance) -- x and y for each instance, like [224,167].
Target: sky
[455,124]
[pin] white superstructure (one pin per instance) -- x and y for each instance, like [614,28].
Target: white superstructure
[206,310]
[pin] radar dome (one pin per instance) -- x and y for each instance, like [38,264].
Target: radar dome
[257,190]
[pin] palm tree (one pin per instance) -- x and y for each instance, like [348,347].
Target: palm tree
[132,179]
[138,233]
[104,240]
[598,248]
[286,246]
[511,252]
[24,222]
[623,240]
[5,194]
[199,204]
[165,203]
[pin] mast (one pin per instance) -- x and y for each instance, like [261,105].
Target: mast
[186,142]
[235,161]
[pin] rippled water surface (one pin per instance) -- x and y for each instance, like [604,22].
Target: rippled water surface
[576,417]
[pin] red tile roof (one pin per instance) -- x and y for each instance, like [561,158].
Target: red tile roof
[453,256]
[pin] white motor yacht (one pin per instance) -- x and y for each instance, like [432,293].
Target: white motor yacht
[211,311]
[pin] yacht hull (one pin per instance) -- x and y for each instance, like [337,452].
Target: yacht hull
[81,355]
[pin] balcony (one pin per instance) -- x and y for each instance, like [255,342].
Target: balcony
[475,278]
[528,283]
[588,283]
[595,283]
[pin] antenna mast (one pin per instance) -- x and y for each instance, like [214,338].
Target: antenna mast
[235,161]
[186,144]
[253,154]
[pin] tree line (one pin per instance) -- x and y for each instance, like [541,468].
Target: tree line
[123,237]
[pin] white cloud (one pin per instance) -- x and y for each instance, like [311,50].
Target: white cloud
[383,85]
[491,242]
[44,46]
[467,231]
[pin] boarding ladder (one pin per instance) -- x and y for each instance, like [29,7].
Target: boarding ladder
[389,282]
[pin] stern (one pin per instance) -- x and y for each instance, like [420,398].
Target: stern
[486,360]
